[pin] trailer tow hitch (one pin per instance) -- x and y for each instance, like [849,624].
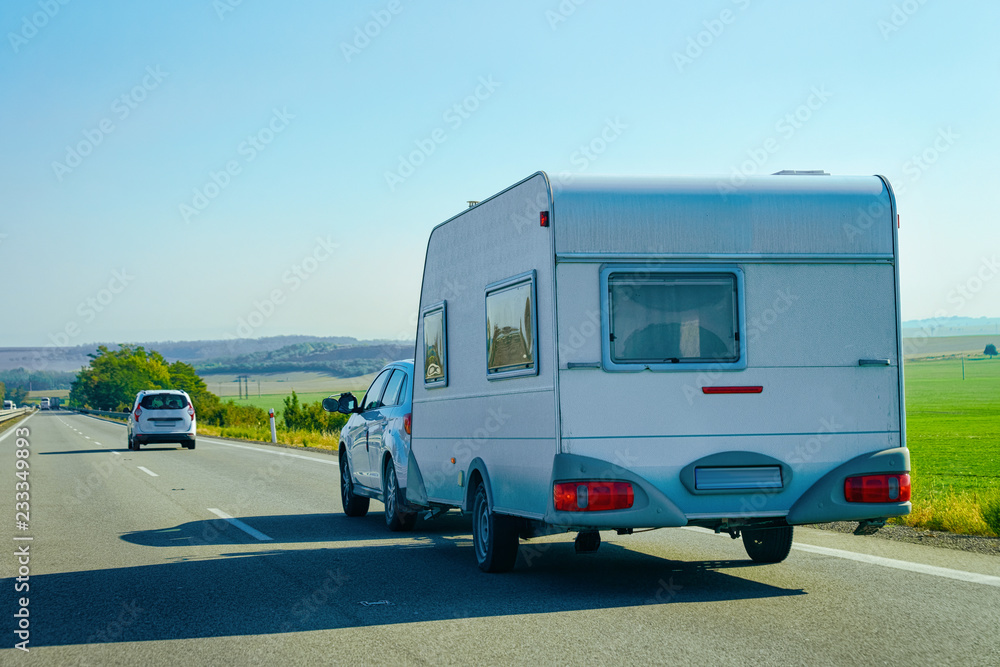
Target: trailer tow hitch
[869,526]
[724,528]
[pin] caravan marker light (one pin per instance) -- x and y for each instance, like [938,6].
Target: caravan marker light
[894,488]
[543,218]
[592,496]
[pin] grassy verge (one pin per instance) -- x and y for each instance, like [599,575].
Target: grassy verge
[285,437]
[953,433]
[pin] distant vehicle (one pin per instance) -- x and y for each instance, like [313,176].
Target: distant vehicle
[161,415]
[626,353]
[9,405]
[44,404]
[375,446]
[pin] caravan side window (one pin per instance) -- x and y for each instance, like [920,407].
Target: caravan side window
[511,328]
[672,319]
[435,346]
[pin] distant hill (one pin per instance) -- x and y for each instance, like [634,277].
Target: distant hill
[324,357]
[198,352]
[952,326]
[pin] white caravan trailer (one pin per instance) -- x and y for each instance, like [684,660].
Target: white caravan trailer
[614,354]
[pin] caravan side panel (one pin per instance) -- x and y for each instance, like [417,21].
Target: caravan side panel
[507,426]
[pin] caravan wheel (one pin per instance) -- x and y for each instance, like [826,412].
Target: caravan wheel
[768,545]
[494,535]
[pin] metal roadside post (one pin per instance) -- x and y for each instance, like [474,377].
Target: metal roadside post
[274,434]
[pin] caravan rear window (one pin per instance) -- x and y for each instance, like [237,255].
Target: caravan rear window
[511,330]
[672,319]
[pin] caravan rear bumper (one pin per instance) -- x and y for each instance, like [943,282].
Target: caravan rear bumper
[822,502]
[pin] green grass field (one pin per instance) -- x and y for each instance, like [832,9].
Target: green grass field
[277,401]
[953,425]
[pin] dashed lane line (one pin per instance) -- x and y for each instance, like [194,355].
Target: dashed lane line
[148,471]
[252,532]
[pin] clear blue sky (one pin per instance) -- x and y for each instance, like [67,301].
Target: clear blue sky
[309,117]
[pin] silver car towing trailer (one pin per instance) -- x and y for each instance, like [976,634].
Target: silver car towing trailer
[624,353]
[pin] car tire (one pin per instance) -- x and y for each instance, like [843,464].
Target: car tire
[190,445]
[353,505]
[396,519]
[494,536]
[768,545]
[128,440]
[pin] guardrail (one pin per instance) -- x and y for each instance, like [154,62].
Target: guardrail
[101,413]
[11,414]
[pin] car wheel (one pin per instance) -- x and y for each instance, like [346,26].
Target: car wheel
[768,545]
[353,505]
[190,445]
[128,439]
[395,518]
[493,535]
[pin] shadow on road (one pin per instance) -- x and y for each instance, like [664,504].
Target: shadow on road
[427,575]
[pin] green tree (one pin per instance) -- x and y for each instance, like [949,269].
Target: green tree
[114,377]
[3,391]
[19,395]
[990,351]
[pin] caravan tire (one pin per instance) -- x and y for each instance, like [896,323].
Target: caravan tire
[353,505]
[493,535]
[768,545]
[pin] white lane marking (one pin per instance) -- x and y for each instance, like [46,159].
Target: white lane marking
[87,437]
[148,471]
[97,443]
[947,573]
[20,425]
[334,462]
[252,532]
[115,453]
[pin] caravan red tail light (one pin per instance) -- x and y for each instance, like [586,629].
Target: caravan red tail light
[543,218]
[878,488]
[408,425]
[190,410]
[590,496]
[138,411]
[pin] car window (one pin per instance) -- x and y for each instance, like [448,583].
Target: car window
[393,390]
[163,402]
[374,393]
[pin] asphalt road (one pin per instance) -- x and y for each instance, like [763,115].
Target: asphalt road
[130,563]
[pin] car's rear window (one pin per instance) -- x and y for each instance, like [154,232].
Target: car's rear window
[163,402]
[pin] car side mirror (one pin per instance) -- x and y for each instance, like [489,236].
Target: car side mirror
[346,404]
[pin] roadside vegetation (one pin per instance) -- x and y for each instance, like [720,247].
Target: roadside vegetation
[953,432]
[114,377]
